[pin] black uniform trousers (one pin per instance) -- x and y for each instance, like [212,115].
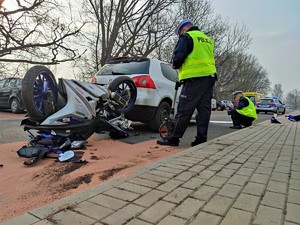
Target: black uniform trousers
[196,93]
[239,119]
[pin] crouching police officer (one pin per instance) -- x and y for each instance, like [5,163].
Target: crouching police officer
[245,112]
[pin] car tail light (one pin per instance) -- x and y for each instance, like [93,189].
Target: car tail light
[144,82]
[93,80]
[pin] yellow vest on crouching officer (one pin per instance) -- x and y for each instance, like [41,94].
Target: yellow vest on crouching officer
[200,62]
[249,110]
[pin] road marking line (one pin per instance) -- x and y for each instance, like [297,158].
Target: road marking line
[216,121]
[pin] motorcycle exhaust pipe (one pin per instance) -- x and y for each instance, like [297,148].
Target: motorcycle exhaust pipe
[118,98]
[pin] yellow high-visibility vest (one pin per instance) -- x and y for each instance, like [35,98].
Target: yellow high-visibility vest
[248,111]
[200,62]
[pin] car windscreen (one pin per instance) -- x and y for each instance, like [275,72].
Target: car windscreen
[124,68]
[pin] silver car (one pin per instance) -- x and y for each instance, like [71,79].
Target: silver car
[228,104]
[155,81]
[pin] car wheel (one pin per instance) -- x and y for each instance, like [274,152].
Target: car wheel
[163,111]
[283,112]
[15,106]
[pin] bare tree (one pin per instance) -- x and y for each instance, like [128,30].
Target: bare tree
[127,27]
[144,28]
[277,91]
[241,72]
[35,32]
[293,99]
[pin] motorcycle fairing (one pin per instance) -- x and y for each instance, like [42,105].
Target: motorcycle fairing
[81,104]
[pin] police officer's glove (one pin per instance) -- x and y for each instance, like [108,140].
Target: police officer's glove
[177,85]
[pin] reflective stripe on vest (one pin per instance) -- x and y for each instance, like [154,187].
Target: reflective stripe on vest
[200,62]
[248,111]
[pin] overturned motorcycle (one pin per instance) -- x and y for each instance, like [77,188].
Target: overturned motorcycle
[66,113]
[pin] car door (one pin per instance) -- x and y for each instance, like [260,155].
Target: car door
[4,92]
[167,86]
[164,77]
[280,106]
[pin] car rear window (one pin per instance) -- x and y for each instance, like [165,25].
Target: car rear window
[266,101]
[124,68]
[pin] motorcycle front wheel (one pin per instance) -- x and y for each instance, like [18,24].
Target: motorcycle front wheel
[39,93]
[125,88]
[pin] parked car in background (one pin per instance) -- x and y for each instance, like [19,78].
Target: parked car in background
[213,104]
[217,105]
[228,104]
[10,94]
[220,105]
[270,104]
[155,82]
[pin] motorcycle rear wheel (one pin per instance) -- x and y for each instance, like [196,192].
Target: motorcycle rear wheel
[39,93]
[126,89]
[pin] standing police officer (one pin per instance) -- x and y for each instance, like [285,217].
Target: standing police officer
[245,112]
[194,58]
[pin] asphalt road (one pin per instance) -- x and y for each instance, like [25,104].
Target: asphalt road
[218,126]
[11,131]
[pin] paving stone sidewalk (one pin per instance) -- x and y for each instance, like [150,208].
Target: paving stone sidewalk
[251,176]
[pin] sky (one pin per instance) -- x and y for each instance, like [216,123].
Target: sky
[274,27]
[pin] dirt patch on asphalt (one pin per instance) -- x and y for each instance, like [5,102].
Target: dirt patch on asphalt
[23,188]
[7,114]
[111,172]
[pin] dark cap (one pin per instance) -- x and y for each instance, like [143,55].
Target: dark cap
[181,25]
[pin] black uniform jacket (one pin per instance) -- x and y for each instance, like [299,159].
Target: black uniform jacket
[183,48]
